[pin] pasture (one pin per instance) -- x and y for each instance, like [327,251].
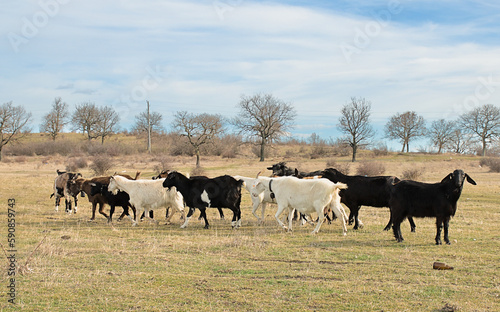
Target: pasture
[76,265]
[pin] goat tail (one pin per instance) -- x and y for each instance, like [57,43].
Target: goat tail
[51,195]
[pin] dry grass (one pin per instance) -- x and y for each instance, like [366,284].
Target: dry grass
[94,266]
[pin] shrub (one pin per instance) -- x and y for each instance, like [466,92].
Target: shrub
[492,162]
[380,150]
[75,164]
[318,151]
[343,167]
[340,148]
[180,146]
[411,174]
[164,163]
[197,171]
[42,148]
[101,165]
[20,159]
[229,153]
[371,169]
[268,150]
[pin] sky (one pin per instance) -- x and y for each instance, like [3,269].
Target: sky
[437,58]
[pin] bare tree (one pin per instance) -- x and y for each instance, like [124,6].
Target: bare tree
[483,122]
[459,142]
[86,118]
[56,119]
[199,129]
[13,121]
[264,117]
[142,125]
[315,139]
[94,121]
[107,122]
[355,123]
[405,127]
[441,133]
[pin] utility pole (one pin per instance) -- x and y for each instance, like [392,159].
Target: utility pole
[149,130]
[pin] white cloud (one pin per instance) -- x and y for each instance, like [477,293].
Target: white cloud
[206,58]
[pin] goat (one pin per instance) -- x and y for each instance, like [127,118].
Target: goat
[262,199]
[60,189]
[364,191]
[306,196]
[418,199]
[164,174]
[120,199]
[146,195]
[202,192]
[281,169]
[85,185]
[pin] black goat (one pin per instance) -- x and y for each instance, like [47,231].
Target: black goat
[417,199]
[364,191]
[281,169]
[164,174]
[202,192]
[120,199]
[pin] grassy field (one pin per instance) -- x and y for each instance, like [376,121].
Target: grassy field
[76,265]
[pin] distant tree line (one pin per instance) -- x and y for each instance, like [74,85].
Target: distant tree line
[261,120]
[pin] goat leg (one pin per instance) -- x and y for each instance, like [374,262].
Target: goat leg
[396,228]
[190,213]
[439,226]
[203,214]
[412,224]
[101,211]
[221,214]
[446,224]
[111,211]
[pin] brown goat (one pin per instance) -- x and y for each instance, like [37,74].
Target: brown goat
[84,185]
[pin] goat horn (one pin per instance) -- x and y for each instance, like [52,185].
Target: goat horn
[258,174]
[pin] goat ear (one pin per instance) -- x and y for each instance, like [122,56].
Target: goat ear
[469,179]
[448,177]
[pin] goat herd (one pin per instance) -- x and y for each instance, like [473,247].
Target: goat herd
[319,192]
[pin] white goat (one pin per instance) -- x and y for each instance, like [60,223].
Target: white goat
[262,198]
[307,196]
[147,195]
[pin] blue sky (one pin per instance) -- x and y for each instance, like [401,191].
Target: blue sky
[438,58]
